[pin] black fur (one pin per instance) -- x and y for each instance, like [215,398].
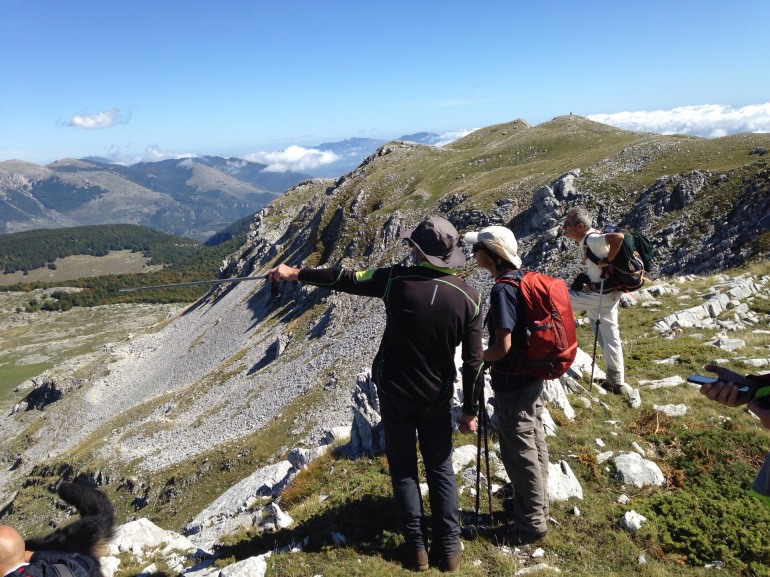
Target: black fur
[90,534]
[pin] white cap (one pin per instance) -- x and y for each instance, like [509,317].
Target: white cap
[499,240]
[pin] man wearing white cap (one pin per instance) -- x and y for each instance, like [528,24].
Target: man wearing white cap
[597,297]
[518,402]
[429,312]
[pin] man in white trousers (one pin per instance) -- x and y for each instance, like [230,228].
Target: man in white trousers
[596,295]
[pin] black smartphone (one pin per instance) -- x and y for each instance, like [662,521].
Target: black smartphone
[701,380]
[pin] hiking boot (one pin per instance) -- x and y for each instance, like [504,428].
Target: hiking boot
[515,535]
[470,532]
[613,388]
[450,563]
[505,491]
[446,562]
[415,558]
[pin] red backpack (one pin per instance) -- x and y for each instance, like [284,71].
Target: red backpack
[551,341]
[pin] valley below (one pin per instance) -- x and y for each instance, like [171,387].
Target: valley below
[33,344]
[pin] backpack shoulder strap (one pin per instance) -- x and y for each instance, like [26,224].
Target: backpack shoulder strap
[513,278]
[62,570]
[591,255]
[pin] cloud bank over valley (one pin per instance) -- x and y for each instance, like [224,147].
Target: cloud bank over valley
[293,159]
[706,120]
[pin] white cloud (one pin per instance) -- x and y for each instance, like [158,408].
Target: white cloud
[103,119]
[709,120]
[448,137]
[155,153]
[294,158]
[152,153]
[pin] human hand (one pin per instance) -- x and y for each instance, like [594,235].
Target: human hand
[283,273]
[467,424]
[726,375]
[726,390]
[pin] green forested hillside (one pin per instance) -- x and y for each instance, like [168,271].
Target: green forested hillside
[187,261]
[236,229]
[33,249]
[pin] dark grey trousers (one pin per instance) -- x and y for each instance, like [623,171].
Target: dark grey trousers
[523,450]
[404,424]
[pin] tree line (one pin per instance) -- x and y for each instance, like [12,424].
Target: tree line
[195,263]
[29,250]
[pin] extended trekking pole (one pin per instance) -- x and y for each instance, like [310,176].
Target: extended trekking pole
[485,418]
[193,283]
[596,336]
[481,429]
[478,455]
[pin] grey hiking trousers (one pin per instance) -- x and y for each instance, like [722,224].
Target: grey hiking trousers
[405,424]
[523,449]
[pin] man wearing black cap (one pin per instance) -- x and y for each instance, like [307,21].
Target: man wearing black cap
[429,312]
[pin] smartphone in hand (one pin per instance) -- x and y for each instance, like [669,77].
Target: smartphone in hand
[701,380]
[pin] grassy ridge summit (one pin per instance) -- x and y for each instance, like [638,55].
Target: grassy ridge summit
[698,198]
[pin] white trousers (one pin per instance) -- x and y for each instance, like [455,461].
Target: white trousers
[604,307]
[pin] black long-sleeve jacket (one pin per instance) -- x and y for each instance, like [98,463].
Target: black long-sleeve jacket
[59,564]
[430,312]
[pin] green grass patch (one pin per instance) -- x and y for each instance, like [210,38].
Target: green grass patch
[12,376]
[715,518]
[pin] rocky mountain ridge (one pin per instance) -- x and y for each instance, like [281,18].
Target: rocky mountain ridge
[254,504]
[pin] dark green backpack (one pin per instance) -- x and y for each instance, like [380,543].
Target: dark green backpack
[644,248]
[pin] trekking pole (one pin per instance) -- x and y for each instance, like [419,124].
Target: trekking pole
[596,336]
[478,455]
[193,283]
[486,455]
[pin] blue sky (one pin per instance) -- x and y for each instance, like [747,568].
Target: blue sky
[165,78]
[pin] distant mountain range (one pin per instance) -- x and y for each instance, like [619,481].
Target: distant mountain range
[193,197]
